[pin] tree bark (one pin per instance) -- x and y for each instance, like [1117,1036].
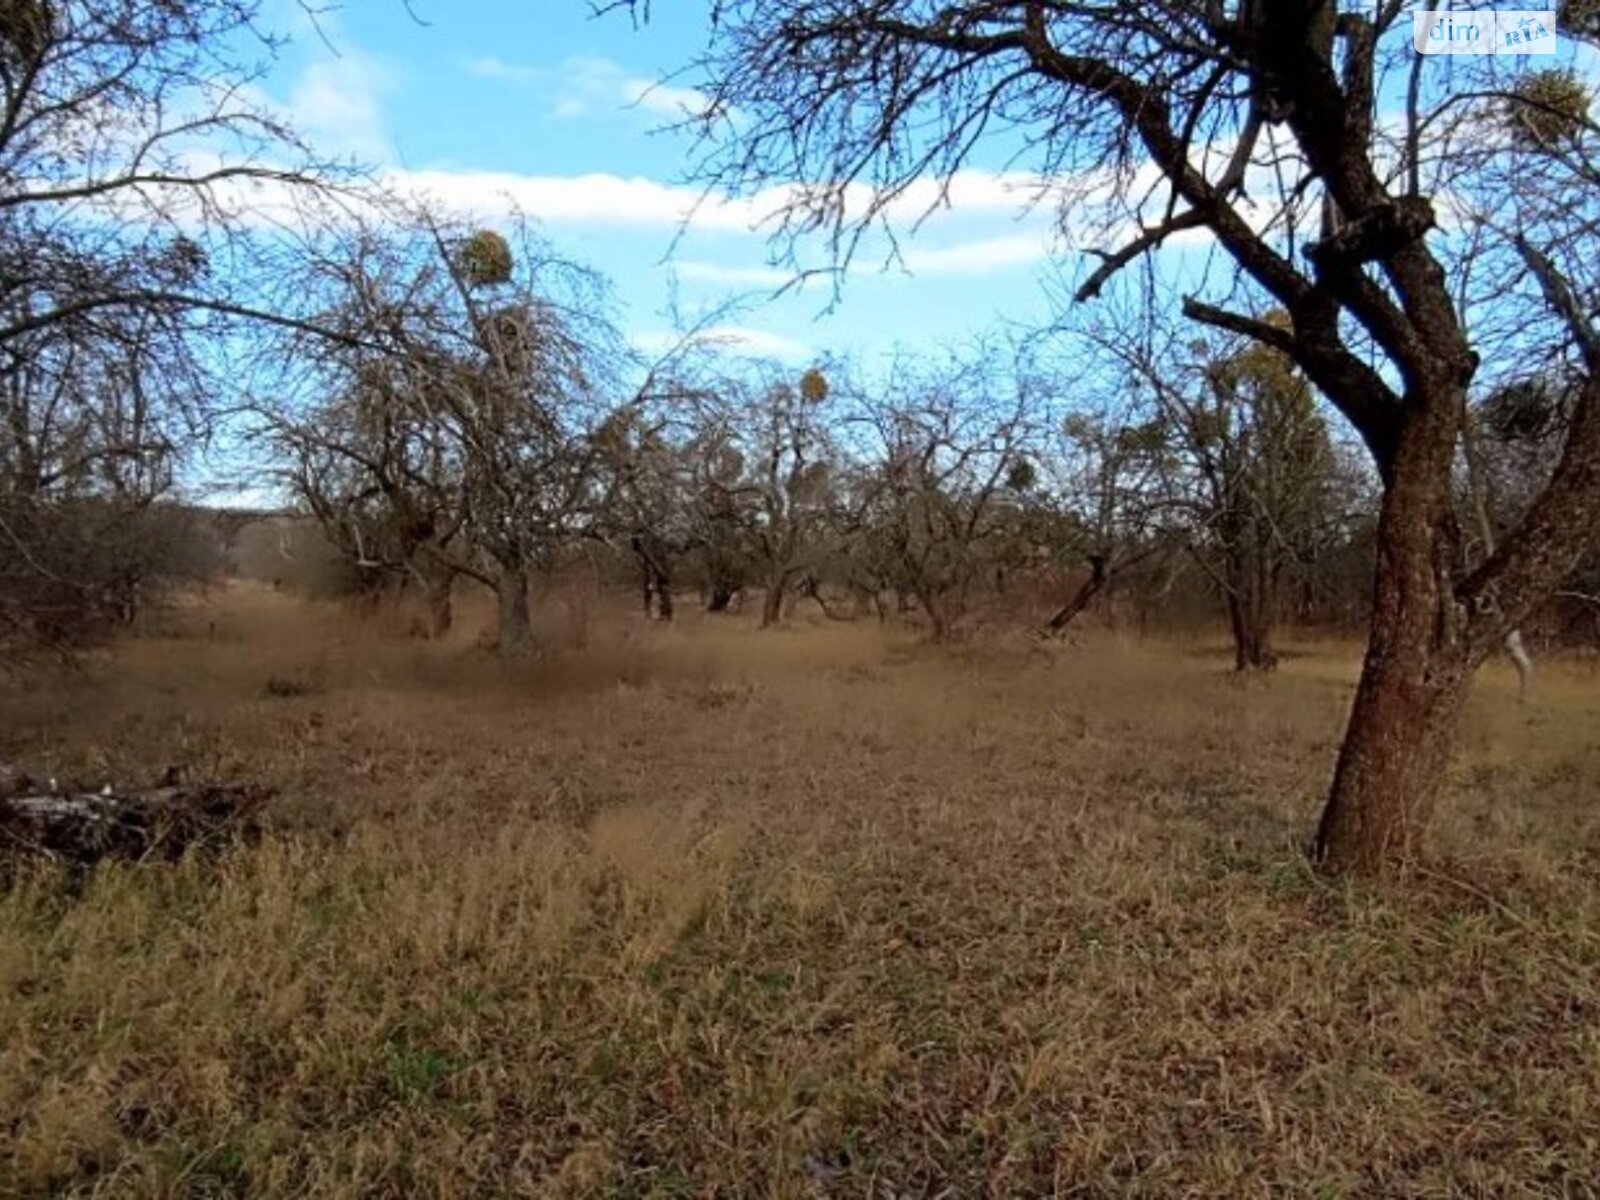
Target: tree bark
[663,589]
[721,597]
[1239,627]
[656,585]
[439,613]
[1250,602]
[1414,680]
[772,604]
[1431,626]
[941,615]
[1087,591]
[657,589]
[515,630]
[1255,653]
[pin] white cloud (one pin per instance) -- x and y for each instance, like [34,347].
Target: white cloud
[581,85]
[338,104]
[742,340]
[585,85]
[742,276]
[598,199]
[489,66]
[980,257]
[758,343]
[971,190]
[607,199]
[727,233]
[664,99]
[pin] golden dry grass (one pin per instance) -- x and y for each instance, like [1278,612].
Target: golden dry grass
[818,912]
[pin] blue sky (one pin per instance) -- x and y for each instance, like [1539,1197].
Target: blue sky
[536,104]
[485,103]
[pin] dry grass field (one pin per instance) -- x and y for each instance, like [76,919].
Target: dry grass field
[820,912]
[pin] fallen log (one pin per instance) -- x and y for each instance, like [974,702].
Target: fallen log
[81,827]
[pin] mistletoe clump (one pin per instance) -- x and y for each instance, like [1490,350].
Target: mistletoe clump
[1549,107]
[486,259]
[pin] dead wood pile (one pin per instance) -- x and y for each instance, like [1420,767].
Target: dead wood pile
[81,826]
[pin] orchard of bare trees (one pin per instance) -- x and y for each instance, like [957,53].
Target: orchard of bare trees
[799,598]
[1404,238]
[1376,402]
[978,490]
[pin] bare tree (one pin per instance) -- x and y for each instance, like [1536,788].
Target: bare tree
[766,458]
[950,457]
[384,484]
[717,513]
[472,373]
[352,422]
[1525,158]
[1258,122]
[1105,468]
[125,139]
[1247,472]
[663,473]
[647,506]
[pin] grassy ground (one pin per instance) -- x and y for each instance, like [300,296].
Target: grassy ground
[820,912]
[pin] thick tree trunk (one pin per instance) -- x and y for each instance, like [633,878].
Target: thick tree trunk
[1099,575]
[721,597]
[438,611]
[772,604]
[441,613]
[1414,681]
[941,615]
[1431,626]
[1396,751]
[1239,625]
[656,585]
[1257,653]
[657,593]
[1250,619]
[514,628]
[663,588]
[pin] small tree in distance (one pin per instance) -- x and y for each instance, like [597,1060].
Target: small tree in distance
[472,373]
[948,456]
